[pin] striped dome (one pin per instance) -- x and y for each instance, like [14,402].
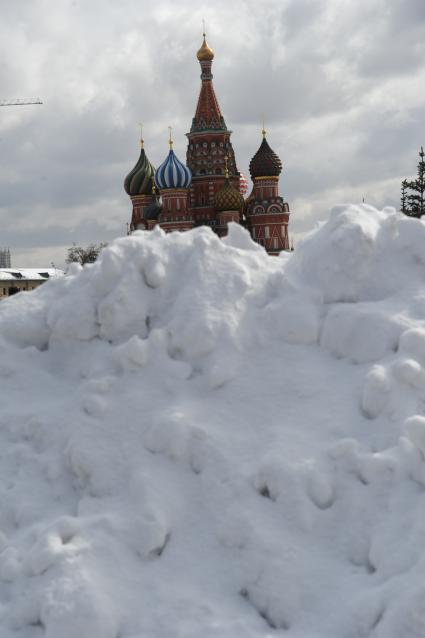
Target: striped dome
[139,181]
[172,173]
[243,184]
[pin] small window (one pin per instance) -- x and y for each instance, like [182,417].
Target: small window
[267,232]
[275,243]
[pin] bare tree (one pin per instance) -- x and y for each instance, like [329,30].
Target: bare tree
[86,255]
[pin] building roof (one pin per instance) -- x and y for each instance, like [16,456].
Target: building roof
[29,274]
[205,53]
[172,173]
[228,198]
[208,114]
[140,179]
[265,163]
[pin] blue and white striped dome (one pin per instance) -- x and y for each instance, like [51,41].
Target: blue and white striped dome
[172,173]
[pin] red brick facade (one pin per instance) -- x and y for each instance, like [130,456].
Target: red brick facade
[211,160]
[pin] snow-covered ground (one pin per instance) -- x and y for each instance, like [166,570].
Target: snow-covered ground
[197,439]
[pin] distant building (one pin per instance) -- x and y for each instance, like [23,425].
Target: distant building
[5,258]
[13,280]
[210,189]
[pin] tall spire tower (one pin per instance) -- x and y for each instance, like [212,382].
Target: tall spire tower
[138,185]
[209,189]
[266,212]
[209,143]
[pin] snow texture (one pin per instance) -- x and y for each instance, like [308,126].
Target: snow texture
[199,439]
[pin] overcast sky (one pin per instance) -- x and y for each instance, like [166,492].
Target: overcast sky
[341,83]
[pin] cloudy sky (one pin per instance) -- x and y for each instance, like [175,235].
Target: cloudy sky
[340,83]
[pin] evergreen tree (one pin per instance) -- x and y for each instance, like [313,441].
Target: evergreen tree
[413,192]
[403,208]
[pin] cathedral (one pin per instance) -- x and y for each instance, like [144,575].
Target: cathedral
[209,189]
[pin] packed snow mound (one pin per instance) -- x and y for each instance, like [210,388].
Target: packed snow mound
[362,254]
[201,439]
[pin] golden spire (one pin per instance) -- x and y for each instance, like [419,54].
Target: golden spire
[205,53]
[170,139]
[264,132]
[142,141]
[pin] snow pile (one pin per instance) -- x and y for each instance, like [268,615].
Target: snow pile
[198,438]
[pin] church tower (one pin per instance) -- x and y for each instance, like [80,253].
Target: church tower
[208,145]
[267,214]
[138,185]
[228,203]
[209,189]
[173,180]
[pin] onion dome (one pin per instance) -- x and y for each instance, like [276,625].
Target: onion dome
[139,181]
[243,184]
[265,162]
[228,198]
[152,211]
[172,173]
[205,53]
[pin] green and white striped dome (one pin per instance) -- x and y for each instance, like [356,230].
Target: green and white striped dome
[139,181]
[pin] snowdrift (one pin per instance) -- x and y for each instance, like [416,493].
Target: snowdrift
[198,439]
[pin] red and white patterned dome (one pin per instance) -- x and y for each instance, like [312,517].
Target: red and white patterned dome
[243,184]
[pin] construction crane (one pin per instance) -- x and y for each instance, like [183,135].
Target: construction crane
[21,102]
